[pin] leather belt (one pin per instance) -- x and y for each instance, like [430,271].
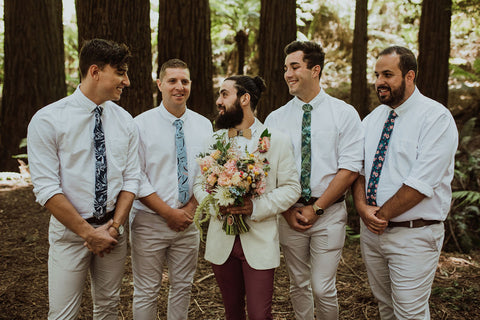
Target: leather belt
[312,200]
[412,223]
[103,220]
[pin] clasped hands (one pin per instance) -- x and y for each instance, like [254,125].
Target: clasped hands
[300,218]
[102,239]
[373,218]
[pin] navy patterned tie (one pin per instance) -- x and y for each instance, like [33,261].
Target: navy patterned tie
[182,169]
[306,152]
[379,158]
[100,203]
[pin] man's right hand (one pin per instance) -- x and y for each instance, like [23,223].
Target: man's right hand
[99,241]
[178,219]
[296,220]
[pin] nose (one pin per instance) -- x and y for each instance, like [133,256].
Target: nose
[288,73]
[126,81]
[219,101]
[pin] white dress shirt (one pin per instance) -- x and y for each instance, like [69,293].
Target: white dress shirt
[61,152]
[336,133]
[421,154]
[158,159]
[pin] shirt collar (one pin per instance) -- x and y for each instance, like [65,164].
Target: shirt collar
[315,102]
[170,117]
[84,101]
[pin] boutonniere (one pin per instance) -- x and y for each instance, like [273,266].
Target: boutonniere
[264,141]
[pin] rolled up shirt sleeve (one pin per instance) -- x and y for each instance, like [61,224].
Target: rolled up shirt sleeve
[42,158]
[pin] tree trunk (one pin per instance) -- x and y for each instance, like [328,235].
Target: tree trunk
[184,33]
[434,49]
[359,91]
[123,21]
[34,69]
[277,29]
[241,39]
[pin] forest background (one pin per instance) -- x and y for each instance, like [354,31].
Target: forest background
[217,38]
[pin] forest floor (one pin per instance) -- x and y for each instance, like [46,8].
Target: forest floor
[24,292]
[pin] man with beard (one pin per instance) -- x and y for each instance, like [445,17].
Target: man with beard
[244,264]
[171,137]
[410,144]
[326,134]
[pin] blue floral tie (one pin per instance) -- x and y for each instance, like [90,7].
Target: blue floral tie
[100,203]
[182,169]
[379,158]
[306,152]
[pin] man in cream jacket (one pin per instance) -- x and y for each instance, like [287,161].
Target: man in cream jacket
[244,264]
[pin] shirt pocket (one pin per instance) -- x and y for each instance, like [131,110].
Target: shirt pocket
[118,152]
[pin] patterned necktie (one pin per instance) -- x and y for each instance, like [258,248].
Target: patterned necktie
[182,169]
[100,203]
[379,158]
[306,152]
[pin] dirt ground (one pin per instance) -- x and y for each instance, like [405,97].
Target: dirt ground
[23,276]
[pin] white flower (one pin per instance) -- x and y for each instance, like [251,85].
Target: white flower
[223,196]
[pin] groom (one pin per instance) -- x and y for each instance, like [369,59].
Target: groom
[244,264]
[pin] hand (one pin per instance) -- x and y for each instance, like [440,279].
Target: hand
[309,215]
[179,219]
[373,222]
[296,220]
[246,209]
[99,241]
[113,232]
[191,206]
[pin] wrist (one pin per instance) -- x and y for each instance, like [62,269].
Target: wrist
[318,210]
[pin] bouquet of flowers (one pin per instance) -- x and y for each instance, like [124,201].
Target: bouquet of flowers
[230,175]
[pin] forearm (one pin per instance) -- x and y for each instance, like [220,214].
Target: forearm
[123,206]
[155,203]
[403,200]
[337,187]
[358,192]
[63,210]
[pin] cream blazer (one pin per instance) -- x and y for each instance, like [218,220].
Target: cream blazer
[260,244]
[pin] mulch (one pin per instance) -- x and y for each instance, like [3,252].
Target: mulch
[24,293]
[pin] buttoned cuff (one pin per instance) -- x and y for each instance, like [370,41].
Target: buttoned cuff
[420,186]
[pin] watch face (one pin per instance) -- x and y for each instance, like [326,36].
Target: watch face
[319,212]
[121,229]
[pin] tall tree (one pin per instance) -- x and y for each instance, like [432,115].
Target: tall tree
[34,68]
[184,33]
[278,28]
[235,22]
[359,91]
[434,49]
[123,21]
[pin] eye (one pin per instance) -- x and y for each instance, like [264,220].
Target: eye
[185,82]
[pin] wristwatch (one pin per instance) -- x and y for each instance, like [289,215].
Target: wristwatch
[318,211]
[119,227]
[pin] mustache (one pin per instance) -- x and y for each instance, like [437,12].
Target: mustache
[383,87]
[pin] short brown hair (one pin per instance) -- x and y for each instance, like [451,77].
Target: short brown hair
[103,52]
[173,64]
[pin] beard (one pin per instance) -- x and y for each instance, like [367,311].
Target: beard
[396,96]
[230,117]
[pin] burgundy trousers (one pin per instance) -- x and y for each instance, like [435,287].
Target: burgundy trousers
[237,279]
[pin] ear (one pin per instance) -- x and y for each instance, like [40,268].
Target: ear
[159,83]
[316,71]
[245,100]
[410,76]
[94,71]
